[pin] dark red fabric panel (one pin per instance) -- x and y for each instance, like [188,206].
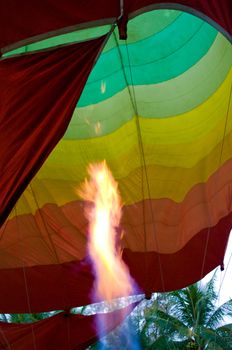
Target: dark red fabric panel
[60,332]
[167,272]
[38,93]
[23,19]
[52,287]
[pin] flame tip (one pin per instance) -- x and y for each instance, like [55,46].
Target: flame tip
[101,189]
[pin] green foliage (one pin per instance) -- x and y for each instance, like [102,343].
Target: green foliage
[25,318]
[192,322]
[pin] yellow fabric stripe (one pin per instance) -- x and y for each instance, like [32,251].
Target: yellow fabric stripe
[174,150]
[198,131]
[179,141]
[173,183]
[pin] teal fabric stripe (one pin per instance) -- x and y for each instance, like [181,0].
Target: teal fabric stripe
[158,58]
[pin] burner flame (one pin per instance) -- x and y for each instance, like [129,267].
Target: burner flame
[104,213]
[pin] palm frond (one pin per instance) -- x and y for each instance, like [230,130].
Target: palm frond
[226,333]
[170,325]
[209,289]
[162,343]
[227,328]
[182,309]
[215,340]
[225,310]
[3,318]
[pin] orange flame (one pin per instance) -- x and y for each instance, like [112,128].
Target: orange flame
[104,214]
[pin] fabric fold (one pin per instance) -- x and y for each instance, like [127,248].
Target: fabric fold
[64,331]
[35,20]
[65,285]
[38,95]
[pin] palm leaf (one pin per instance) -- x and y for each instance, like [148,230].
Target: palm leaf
[215,340]
[162,343]
[170,325]
[219,314]
[182,308]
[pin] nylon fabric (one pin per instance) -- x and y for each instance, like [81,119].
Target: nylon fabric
[60,332]
[61,190]
[39,92]
[174,97]
[140,27]
[38,19]
[66,227]
[174,55]
[157,108]
[77,278]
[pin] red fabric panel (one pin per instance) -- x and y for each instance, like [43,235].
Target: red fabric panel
[60,332]
[24,19]
[54,287]
[38,94]
[167,272]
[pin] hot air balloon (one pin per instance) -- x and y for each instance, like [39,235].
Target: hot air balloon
[143,85]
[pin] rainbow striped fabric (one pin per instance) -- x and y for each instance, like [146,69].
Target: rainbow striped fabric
[157,107]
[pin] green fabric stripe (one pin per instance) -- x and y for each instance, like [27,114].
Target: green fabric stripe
[79,35]
[158,58]
[171,98]
[150,23]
